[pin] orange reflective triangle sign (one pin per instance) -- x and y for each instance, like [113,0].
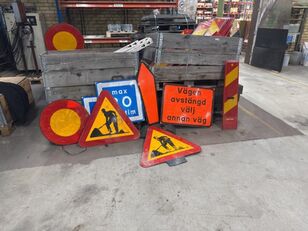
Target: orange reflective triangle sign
[161,146]
[107,124]
[146,83]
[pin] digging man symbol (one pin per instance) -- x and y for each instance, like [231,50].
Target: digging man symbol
[165,142]
[111,118]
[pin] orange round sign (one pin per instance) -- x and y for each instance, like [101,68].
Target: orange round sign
[62,121]
[63,37]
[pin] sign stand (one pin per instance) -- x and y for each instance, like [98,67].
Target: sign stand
[177,161]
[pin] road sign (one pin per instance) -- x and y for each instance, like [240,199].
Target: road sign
[161,146]
[89,102]
[230,98]
[191,106]
[146,82]
[107,124]
[62,121]
[63,37]
[127,95]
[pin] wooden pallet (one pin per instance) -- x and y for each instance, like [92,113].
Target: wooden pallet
[175,57]
[191,60]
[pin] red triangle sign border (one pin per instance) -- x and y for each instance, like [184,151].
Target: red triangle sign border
[92,117]
[144,162]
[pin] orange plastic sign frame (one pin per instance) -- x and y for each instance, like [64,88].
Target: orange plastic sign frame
[161,146]
[146,83]
[231,95]
[192,106]
[63,36]
[107,124]
[62,121]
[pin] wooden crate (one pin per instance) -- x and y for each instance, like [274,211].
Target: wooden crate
[72,74]
[193,60]
[21,81]
[6,121]
[175,57]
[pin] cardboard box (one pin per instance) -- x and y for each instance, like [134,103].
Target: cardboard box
[21,81]
[6,122]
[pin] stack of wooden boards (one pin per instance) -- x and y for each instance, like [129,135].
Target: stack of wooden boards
[72,74]
[166,23]
[6,120]
[193,60]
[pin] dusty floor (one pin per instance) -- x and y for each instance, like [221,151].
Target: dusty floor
[257,184]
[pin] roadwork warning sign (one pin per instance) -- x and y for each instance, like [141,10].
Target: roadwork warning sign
[187,105]
[107,124]
[161,146]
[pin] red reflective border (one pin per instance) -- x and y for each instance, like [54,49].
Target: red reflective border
[230,119]
[63,27]
[50,109]
[145,163]
[166,85]
[90,121]
[147,87]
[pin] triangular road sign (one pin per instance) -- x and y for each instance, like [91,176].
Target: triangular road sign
[161,146]
[107,124]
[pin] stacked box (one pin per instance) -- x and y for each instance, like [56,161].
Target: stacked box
[72,74]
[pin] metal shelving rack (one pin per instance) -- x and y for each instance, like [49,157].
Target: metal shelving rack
[107,4]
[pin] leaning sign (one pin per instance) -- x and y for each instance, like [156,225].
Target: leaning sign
[187,105]
[127,95]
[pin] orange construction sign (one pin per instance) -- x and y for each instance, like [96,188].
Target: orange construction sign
[187,105]
[107,124]
[146,82]
[161,146]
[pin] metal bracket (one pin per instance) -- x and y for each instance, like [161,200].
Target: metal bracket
[136,46]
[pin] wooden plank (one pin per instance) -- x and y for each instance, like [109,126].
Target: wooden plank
[178,41]
[74,93]
[183,58]
[56,57]
[90,63]
[171,77]
[83,77]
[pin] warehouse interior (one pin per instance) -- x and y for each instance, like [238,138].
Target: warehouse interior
[153,115]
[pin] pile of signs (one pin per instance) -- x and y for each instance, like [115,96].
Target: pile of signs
[109,117]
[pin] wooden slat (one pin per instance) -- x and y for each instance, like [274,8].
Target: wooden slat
[74,93]
[83,77]
[186,77]
[184,58]
[178,41]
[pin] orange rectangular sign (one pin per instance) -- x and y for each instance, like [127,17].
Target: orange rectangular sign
[187,105]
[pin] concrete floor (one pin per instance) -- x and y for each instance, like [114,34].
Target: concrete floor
[248,185]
